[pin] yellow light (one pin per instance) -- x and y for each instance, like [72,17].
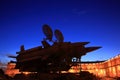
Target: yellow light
[63,71]
[97,70]
[71,71]
[26,73]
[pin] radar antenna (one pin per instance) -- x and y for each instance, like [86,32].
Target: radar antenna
[48,32]
[59,35]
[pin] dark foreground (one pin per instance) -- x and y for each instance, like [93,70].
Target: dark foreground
[44,76]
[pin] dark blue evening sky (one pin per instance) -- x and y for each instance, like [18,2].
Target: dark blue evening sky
[96,21]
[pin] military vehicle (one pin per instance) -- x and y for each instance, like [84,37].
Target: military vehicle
[51,57]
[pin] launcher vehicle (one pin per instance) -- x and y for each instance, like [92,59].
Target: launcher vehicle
[51,58]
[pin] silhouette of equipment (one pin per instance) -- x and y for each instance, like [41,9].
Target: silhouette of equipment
[51,58]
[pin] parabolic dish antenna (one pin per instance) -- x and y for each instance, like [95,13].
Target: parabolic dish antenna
[59,35]
[48,32]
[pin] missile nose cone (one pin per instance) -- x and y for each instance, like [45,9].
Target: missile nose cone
[89,49]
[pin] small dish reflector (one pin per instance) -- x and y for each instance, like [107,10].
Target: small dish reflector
[48,32]
[59,35]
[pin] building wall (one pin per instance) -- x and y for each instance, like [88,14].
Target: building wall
[10,70]
[110,68]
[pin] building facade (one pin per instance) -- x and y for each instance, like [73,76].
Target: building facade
[10,70]
[109,68]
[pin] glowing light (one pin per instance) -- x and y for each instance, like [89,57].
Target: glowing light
[118,67]
[71,71]
[64,72]
[26,73]
[97,70]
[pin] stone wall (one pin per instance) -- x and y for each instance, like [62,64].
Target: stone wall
[110,68]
